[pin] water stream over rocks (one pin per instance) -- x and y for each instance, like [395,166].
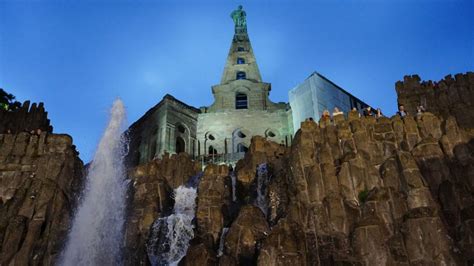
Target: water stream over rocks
[263,180]
[169,236]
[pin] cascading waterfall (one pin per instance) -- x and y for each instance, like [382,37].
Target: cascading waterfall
[233,178]
[263,180]
[220,251]
[97,229]
[169,236]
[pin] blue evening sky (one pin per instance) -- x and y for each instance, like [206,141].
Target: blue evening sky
[78,56]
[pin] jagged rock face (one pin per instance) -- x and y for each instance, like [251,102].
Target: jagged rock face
[200,255]
[150,197]
[356,191]
[396,163]
[260,150]
[213,194]
[248,230]
[40,178]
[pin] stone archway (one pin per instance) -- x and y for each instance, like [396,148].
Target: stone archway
[242,148]
[180,145]
[212,150]
[183,142]
[240,139]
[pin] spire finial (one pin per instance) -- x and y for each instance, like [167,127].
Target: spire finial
[240,20]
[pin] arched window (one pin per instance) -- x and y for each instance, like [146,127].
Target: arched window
[241,101]
[270,133]
[241,134]
[152,149]
[240,61]
[180,145]
[242,148]
[212,150]
[181,129]
[240,49]
[240,75]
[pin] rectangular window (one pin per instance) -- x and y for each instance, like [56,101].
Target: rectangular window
[240,75]
[241,101]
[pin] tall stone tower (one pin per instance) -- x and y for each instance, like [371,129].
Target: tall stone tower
[241,75]
[241,107]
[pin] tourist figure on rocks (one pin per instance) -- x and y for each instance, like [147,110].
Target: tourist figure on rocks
[326,115]
[378,113]
[354,112]
[420,110]
[401,111]
[337,112]
[368,111]
[325,118]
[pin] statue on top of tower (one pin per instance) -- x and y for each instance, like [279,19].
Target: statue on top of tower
[239,17]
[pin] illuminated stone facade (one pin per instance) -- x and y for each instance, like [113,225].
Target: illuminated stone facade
[170,126]
[241,107]
[223,130]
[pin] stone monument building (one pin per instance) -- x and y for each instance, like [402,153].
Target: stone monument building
[223,130]
[170,126]
[241,107]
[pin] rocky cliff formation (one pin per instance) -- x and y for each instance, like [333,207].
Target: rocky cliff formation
[355,191]
[40,177]
[349,191]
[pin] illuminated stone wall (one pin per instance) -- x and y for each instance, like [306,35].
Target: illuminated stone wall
[161,129]
[224,131]
[225,128]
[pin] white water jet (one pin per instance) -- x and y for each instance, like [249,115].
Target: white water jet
[170,236]
[97,229]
